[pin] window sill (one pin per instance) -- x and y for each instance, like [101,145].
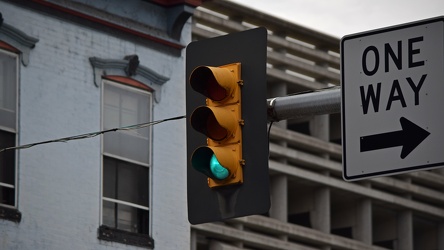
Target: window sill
[11,214]
[124,237]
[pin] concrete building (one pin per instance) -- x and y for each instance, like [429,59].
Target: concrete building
[312,207]
[71,67]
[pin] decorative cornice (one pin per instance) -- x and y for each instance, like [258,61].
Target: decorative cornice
[177,17]
[18,39]
[103,67]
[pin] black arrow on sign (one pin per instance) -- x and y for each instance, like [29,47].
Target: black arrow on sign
[409,138]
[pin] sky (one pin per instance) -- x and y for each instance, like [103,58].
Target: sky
[344,17]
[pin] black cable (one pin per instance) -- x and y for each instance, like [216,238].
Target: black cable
[93,134]
[269,130]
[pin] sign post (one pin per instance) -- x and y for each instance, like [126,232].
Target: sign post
[393,99]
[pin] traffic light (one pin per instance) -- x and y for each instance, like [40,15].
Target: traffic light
[227,143]
[220,121]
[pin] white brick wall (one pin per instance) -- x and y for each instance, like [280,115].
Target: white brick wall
[59,183]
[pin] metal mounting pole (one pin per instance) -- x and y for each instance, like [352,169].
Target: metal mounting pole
[317,102]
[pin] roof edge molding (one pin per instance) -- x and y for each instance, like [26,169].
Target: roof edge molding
[128,67]
[177,17]
[178,12]
[18,39]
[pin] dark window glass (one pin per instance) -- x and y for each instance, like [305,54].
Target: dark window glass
[125,217]
[7,158]
[125,188]
[7,196]
[7,169]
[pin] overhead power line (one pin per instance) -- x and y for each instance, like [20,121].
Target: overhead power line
[93,134]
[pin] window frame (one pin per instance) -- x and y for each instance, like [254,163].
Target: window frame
[6,50]
[121,83]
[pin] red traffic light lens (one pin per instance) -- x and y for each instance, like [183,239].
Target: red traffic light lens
[212,82]
[215,91]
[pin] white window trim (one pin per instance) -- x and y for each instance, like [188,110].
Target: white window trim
[117,157]
[150,169]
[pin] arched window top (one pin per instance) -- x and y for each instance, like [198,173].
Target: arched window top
[8,47]
[128,67]
[17,39]
[129,81]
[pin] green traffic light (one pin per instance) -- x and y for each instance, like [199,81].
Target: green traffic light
[217,169]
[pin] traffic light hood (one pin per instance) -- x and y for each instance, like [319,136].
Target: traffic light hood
[213,82]
[218,124]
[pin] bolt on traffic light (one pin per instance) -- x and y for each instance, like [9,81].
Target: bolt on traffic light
[220,120]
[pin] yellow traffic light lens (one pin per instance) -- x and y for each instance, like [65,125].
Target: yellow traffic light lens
[217,169]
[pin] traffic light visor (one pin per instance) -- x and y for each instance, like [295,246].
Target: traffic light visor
[213,82]
[216,123]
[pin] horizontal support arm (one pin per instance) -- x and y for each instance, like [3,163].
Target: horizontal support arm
[318,102]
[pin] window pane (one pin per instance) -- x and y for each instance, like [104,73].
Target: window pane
[132,219]
[8,90]
[111,109]
[125,217]
[124,107]
[125,181]
[132,183]
[109,177]
[109,214]
[129,109]
[127,144]
[7,196]
[7,158]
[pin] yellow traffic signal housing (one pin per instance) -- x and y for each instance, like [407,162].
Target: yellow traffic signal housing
[221,121]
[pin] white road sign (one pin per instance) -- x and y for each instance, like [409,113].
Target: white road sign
[393,99]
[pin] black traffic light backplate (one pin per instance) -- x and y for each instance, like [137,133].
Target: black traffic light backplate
[253,196]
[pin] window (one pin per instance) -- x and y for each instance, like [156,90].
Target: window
[15,47]
[8,126]
[126,159]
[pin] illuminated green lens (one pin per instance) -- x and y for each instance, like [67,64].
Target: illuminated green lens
[218,170]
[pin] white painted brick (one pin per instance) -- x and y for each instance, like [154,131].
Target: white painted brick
[59,184]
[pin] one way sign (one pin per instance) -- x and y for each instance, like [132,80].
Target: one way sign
[393,99]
